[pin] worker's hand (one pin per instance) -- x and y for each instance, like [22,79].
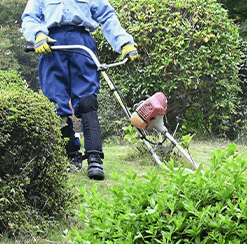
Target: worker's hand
[41,44]
[129,51]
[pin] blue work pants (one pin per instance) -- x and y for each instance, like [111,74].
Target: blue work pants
[67,75]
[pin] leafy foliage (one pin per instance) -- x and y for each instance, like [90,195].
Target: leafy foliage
[189,51]
[12,43]
[242,95]
[171,206]
[243,29]
[243,67]
[32,159]
[237,9]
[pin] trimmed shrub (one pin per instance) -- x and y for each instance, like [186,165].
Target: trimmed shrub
[171,206]
[189,51]
[11,78]
[32,159]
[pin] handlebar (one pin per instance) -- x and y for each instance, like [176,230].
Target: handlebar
[89,51]
[29,49]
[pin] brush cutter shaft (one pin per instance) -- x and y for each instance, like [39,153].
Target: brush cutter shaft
[116,93]
[173,141]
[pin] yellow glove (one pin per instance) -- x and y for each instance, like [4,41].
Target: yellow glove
[130,52]
[41,44]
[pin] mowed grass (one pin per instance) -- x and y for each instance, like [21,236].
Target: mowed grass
[118,159]
[201,150]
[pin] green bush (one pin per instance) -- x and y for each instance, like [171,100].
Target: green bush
[32,159]
[11,78]
[240,116]
[171,206]
[189,51]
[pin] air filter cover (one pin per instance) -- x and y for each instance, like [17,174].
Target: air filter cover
[152,107]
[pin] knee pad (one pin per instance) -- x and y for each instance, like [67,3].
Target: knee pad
[88,103]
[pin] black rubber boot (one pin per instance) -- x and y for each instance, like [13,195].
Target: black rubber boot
[95,167]
[72,146]
[71,170]
[76,159]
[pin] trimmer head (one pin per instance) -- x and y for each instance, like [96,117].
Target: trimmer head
[148,110]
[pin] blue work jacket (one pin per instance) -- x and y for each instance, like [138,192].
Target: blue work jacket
[40,15]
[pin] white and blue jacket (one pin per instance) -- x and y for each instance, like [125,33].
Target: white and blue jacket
[40,15]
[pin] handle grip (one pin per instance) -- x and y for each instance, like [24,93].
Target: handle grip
[29,49]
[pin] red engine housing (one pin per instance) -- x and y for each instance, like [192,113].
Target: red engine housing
[152,107]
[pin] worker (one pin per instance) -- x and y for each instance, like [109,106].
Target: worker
[66,76]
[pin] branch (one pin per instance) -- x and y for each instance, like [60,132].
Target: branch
[238,13]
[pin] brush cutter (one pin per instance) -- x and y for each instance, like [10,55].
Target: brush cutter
[148,114]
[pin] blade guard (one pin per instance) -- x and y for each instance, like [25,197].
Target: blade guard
[147,111]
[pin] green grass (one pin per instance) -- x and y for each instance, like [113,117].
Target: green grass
[118,159]
[201,150]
